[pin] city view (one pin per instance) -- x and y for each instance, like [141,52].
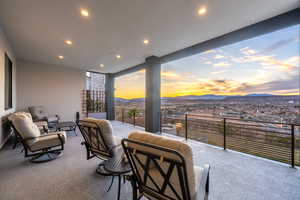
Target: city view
[254,84]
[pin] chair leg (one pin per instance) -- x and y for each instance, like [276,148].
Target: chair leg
[15,144]
[207,183]
[111,183]
[207,187]
[119,186]
[46,156]
[134,188]
[75,132]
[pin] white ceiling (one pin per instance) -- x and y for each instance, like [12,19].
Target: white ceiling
[37,28]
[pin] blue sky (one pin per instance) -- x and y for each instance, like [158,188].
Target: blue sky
[264,64]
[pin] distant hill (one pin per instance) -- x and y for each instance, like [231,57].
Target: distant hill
[129,100]
[259,95]
[197,97]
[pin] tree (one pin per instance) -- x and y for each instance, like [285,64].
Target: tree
[132,113]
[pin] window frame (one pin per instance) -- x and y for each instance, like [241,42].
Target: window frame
[8,82]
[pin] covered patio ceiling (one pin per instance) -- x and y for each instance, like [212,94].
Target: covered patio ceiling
[38,30]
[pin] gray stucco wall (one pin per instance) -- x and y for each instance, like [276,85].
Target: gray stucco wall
[57,88]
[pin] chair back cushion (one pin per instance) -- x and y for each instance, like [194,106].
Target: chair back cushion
[180,147]
[98,134]
[19,113]
[24,125]
[38,112]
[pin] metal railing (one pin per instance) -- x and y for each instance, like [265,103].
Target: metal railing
[132,116]
[272,140]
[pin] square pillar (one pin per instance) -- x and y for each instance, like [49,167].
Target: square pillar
[110,96]
[152,101]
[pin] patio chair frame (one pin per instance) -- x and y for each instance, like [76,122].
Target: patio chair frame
[139,185]
[103,152]
[52,152]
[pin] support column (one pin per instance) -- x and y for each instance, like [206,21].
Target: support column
[152,101]
[110,96]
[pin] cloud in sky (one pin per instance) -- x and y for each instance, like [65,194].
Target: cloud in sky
[289,64]
[209,51]
[222,64]
[219,72]
[249,52]
[169,74]
[219,56]
[279,44]
[290,83]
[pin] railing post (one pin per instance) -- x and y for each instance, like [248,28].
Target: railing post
[133,118]
[293,145]
[186,126]
[160,125]
[122,115]
[224,127]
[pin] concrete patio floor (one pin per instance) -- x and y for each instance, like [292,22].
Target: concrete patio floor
[234,176]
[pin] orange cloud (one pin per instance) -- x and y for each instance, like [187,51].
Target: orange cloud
[219,72]
[222,64]
[219,56]
[209,51]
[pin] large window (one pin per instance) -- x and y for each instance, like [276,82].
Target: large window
[242,96]
[130,98]
[8,82]
[261,73]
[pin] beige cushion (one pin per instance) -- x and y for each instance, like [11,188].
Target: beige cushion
[42,125]
[181,147]
[20,113]
[24,125]
[106,130]
[38,112]
[47,141]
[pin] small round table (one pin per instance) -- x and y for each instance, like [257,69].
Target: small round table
[66,126]
[115,166]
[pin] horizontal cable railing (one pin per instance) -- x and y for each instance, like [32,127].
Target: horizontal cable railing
[272,140]
[132,116]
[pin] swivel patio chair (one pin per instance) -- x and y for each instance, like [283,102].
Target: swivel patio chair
[98,139]
[42,126]
[163,169]
[40,147]
[39,113]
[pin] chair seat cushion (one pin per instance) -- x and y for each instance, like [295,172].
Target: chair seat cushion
[47,141]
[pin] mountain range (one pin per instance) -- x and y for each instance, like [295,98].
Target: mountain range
[197,97]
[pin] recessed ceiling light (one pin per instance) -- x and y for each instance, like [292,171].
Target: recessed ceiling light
[202,10]
[61,57]
[146,41]
[101,65]
[84,12]
[68,42]
[118,56]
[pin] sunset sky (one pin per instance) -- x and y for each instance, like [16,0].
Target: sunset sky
[265,64]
